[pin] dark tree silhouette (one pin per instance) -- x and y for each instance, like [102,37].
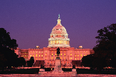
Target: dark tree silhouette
[106,45]
[7,46]
[30,62]
[22,61]
[87,60]
[105,50]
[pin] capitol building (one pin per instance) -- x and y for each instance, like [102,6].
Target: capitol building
[46,55]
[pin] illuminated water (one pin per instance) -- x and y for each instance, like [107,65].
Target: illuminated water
[37,75]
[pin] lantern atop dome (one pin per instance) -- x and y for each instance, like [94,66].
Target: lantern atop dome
[59,20]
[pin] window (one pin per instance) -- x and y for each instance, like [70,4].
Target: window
[36,55]
[51,57]
[81,55]
[77,58]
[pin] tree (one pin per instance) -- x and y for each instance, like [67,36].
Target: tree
[30,62]
[7,46]
[106,45]
[22,61]
[87,60]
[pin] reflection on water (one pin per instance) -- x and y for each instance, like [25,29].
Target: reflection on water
[37,75]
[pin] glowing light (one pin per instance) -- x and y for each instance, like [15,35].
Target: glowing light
[11,66]
[80,47]
[39,55]
[37,46]
[36,55]
[51,57]
[81,55]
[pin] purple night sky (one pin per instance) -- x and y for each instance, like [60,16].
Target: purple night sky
[30,22]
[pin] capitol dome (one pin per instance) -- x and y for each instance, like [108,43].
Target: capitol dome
[59,36]
[59,29]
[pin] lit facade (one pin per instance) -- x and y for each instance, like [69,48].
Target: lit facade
[58,38]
